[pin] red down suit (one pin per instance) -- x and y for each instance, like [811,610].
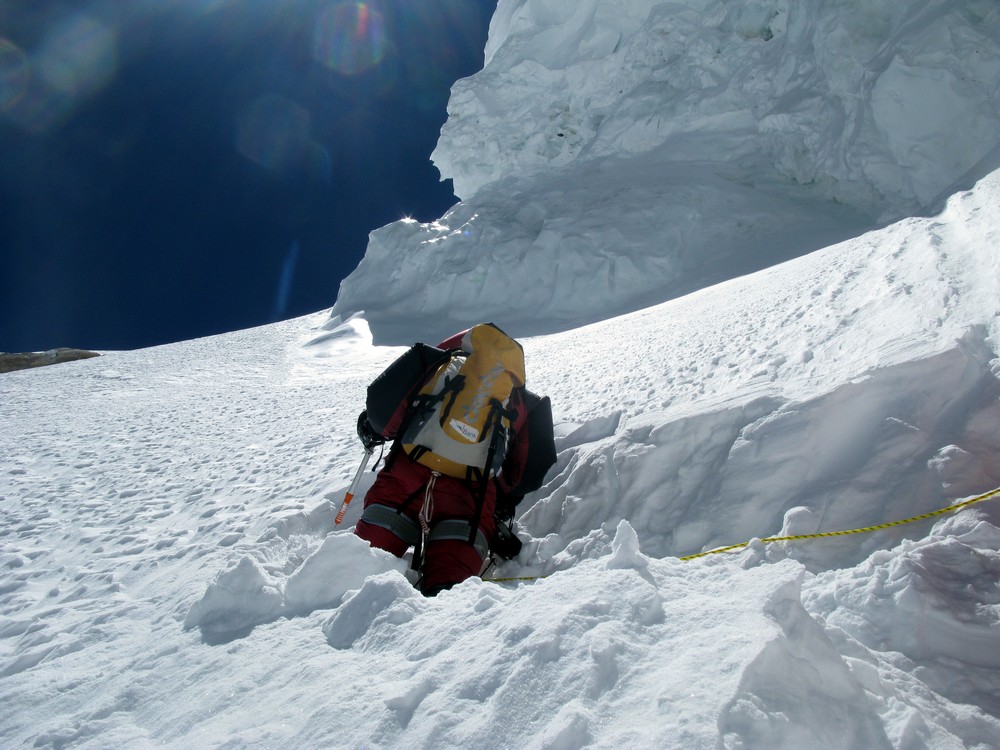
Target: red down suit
[391,519]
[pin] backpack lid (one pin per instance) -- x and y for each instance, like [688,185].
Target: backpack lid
[486,337]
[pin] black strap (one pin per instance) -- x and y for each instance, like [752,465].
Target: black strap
[418,547]
[452,387]
[417,451]
[417,563]
[423,404]
[484,476]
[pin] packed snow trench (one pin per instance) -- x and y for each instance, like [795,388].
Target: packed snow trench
[751,250]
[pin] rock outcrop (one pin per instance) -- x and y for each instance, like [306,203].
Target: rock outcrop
[26,360]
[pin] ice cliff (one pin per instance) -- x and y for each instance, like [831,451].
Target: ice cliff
[628,146]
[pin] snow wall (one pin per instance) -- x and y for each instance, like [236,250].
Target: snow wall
[632,148]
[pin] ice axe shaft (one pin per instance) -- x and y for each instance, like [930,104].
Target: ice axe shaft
[351,490]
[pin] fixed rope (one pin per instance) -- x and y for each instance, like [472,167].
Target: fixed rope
[863,530]
[817,535]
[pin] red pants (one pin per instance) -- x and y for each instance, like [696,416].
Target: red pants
[400,488]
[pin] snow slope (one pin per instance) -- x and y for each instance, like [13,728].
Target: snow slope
[171,576]
[171,579]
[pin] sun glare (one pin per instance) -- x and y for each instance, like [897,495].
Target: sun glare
[350,38]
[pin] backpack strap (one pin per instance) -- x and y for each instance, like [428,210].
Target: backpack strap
[481,479]
[452,387]
[419,403]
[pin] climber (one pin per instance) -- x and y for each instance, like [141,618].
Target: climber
[468,442]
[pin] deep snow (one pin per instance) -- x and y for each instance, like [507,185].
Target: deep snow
[172,578]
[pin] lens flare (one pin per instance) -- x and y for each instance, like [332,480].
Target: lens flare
[285,282]
[79,56]
[14,74]
[273,132]
[349,38]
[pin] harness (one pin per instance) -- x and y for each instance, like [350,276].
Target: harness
[425,529]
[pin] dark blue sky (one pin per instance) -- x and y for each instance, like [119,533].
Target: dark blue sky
[177,168]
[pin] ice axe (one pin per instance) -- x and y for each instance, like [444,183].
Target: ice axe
[354,486]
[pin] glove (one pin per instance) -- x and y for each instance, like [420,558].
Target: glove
[506,505]
[505,542]
[366,433]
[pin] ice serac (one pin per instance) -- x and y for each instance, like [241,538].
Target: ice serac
[842,93]
[625,146]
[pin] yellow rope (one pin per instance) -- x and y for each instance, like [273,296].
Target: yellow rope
[818,535]
[866,529]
